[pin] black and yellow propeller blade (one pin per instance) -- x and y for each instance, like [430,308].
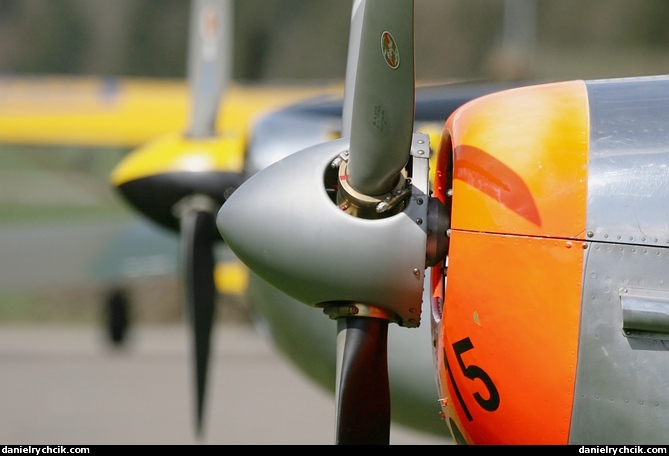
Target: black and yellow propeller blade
[180,181]
[340,225]
[209,74]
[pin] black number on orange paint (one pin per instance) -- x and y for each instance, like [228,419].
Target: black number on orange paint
[473,372]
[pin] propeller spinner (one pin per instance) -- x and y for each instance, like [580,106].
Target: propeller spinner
[344,226]
[180,181]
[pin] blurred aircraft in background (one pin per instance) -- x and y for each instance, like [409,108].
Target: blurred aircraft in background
[96,112]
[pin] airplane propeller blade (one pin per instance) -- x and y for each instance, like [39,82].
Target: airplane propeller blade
[209,67]
[209,75]
[352,65]
[200,291]
[181,180]
[381,129]
[363,402]
[383,104]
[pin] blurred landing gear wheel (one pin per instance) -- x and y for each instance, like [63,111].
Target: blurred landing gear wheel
[117,316]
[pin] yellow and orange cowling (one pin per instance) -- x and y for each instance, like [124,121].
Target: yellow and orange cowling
[512,167]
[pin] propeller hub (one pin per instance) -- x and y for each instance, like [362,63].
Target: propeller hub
[364,206]
[282,223]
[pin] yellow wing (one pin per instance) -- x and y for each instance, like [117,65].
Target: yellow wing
[123,111]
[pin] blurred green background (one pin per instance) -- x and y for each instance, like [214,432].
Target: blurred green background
[307,38]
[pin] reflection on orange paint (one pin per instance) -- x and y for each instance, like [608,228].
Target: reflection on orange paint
[520,161]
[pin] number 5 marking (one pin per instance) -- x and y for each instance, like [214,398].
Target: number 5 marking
[473,372]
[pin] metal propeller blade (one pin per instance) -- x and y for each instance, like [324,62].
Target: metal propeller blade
[180,181]
[200,293]
[209,74]
[352,65]
[382,116]
[209,62]
[363,400]
[383,105]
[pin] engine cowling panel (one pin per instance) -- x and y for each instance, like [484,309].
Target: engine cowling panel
[552,189]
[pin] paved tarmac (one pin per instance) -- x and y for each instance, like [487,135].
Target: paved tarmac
[64,384]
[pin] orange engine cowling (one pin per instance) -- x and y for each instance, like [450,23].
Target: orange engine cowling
[551,314]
